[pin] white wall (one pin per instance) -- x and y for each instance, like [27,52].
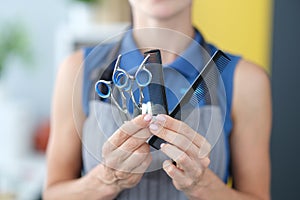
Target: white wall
[42,18]
[25,95]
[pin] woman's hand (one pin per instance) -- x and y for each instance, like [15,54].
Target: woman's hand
[187,148]
[126,155]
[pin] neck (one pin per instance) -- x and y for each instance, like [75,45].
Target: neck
[171,35]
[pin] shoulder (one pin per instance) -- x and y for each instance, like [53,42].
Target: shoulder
[251,87]
[85,57]
[71,65]
[247,69]
[250,77]
[69,76]
[68,89]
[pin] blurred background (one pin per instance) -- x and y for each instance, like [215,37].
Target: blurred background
[35,37]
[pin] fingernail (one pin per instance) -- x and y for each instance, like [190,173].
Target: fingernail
[162,145]
[161,118]
[153,127]
[148,117]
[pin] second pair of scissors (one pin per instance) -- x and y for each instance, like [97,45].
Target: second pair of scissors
[124,82]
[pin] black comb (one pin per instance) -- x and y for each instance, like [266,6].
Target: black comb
[199,90]
[156,91]
[156,88]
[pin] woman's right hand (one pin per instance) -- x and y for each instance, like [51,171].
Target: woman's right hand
[126,156]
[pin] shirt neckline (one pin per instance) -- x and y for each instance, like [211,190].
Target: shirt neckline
[189,63]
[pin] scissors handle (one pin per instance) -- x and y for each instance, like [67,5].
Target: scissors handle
[103,88]
[120,78]
[143,77]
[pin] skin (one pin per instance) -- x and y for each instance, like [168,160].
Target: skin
[249,139]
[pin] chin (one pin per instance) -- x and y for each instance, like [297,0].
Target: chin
[167,11]
[161,9]
[163,13]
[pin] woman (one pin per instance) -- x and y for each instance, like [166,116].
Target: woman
[122,175]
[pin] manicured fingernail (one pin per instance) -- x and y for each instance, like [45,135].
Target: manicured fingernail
[153,127]
[148,118]
[161,118]
[162,145]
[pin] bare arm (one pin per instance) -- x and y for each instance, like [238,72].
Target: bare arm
[251,113]
[64,149]
[250,138]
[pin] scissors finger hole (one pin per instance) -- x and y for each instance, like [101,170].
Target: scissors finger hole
[120,78]
[103,89]
[143,78]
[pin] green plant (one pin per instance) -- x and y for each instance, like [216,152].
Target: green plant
[14,42]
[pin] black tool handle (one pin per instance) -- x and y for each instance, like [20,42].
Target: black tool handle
[156,89]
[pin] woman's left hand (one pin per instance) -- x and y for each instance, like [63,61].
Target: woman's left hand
[187,148]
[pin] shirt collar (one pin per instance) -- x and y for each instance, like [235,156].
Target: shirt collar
[131,55]
[189,63]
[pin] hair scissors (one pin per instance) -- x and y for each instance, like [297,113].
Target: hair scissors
[106,92]
[124,82]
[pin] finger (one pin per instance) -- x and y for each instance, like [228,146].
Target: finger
[143,166]
[204,150]
[174,173]
[132,147]
[138,169]
[132,143]
[181,128]
[181,158]
[176,139]
[116,158]
[136,158]
[128,146]
[129,128]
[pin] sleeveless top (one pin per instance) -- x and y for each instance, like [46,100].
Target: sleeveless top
[212,121]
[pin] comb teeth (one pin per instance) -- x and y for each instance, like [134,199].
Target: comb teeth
[198,93]
[208,85]
[221,62]
[206,80]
